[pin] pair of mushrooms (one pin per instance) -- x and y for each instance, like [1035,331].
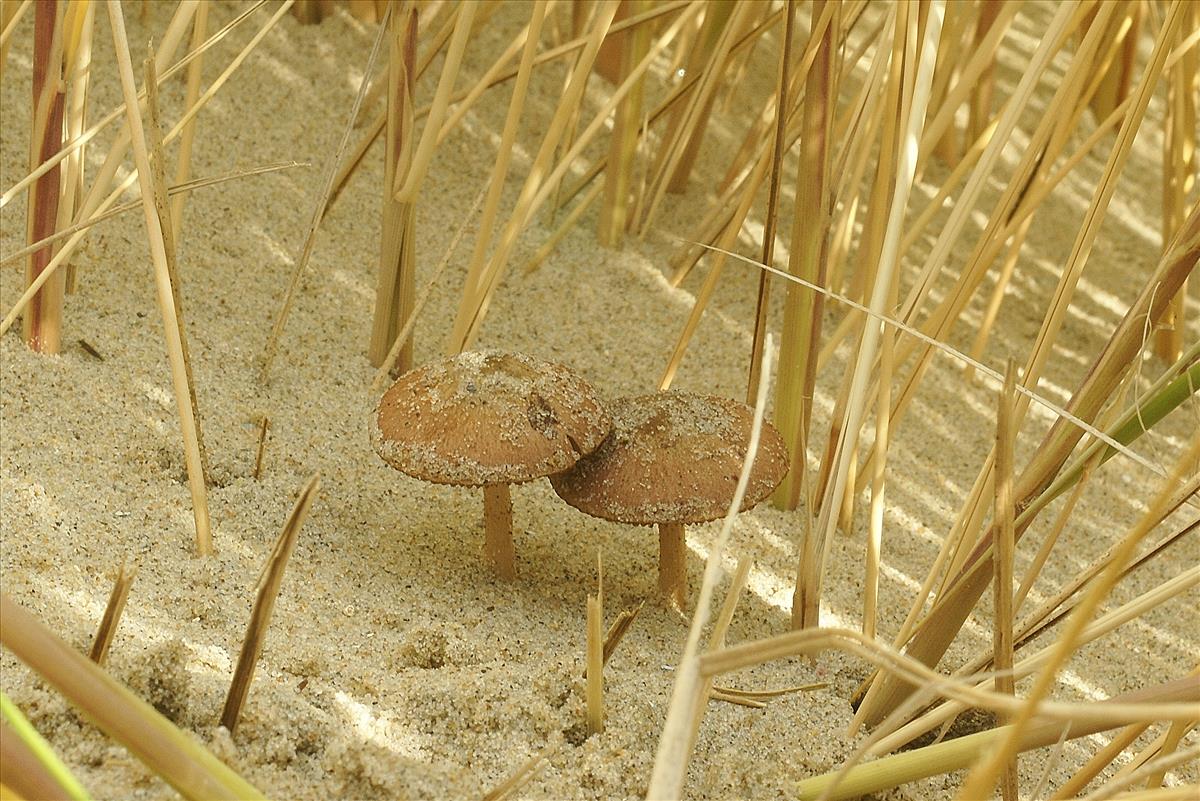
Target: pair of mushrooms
[488,419]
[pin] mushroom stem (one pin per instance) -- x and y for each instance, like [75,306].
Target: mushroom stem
[497,524]
[672,564]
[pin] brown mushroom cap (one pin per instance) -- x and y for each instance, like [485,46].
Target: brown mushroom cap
[673,457]
[487,418]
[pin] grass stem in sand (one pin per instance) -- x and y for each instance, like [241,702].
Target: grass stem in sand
[762,304]
[166,299]
[595,665]
[77,63]
[191,769]
[800,339]
[1002,627]
[112,615]
[523,774]
[806,603]
[264,604]
[260,454]
[158,167]
[41,325]
[195,73]
[396,275]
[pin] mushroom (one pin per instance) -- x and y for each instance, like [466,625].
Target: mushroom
[488,419]
[673,458]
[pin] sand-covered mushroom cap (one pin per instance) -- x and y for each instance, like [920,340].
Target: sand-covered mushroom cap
[673,457]
[484,418]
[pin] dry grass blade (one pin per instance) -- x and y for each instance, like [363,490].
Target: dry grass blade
[1172,700]
[1054,608]
[260,454]
[683,715]
[158,169]
[512,122]
[10,16]
[1007,217]
[177,189]
[616,632]
[799,688]
[175,756]
[166,296]
[173,34]
[1002,629]
[727,239]
[939,323]
[396,274]
[389,362]
[1101,760]
[716,641]
[982,778]
[114,161]
[93,204]
[618,629]
[1150,771]
[1186,792]
[28,765]
[183,167]
[1108,439]
[408,183]
[351,163]
[80,23]
[595,665]
[944,620]
[808,247]
[536,189]
[736,700]
[1166,753]
[618,174]
[1179,173]
[41,326]
[522,775]
[322,203]
[709,58]
[946,757]
[887,737]
[112,615]
[806,599]
[264,605]
[762,305]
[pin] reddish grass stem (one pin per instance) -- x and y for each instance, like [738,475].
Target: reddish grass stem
[41,325]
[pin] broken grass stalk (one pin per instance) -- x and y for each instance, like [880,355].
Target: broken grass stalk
[112,615]
[595,664]
[264,604]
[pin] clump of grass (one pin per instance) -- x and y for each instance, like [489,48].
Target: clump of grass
[187,766]
[856,282]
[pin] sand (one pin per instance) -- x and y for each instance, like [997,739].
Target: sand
[396,665]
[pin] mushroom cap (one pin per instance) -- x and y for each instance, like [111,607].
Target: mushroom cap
[487,418]
[673,457]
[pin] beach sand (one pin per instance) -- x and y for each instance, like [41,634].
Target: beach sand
[396,664]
